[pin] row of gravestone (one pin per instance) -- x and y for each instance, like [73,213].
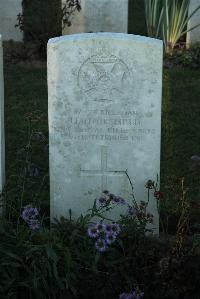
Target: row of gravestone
[95,16]
[104,108]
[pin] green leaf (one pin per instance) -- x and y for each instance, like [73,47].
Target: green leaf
[51,254]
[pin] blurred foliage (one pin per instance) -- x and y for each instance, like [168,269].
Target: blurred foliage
[43,19]
[184,58]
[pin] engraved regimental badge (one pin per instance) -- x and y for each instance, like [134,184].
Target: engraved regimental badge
[103,77]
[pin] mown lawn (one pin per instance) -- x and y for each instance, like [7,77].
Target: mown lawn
[26,111]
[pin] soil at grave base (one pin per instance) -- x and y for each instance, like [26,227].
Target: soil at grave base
[23,54]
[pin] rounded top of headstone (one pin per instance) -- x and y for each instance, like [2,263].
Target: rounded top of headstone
[104,35]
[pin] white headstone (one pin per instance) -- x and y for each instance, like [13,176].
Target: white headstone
[100,16]
[104,94]
[2,138]
[9,9]
[193,36]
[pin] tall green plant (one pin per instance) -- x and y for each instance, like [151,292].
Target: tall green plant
[154,16]
[175,21]
[168,20]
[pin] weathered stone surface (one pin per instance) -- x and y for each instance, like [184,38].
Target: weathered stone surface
[100,16]
[9,9]
[104,118]
[193,36]
[2,138]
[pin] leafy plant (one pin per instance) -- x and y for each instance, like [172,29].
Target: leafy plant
[64,263]
[154,17]
[68,9]
[185,58]
[167,20]
[175,22]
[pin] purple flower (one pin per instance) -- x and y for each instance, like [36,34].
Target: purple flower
[115,228]
[133,295]
[34,224]
[102,200]
[195,158]
[100,245]
[29,213]
[93,232]
[33,171]
[137,295]
[100,227]
[118,200]
[108,228]
[126,296]
[110,238]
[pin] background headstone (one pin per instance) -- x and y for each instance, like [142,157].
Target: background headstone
[9,9]
[100,16]
[2,138]
[104,118]
[193,36]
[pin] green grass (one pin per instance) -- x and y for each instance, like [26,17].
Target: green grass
[26,112]
[25,93]
[181,126]
[179,141]
[26,98]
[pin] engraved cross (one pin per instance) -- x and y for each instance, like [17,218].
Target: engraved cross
[104,172]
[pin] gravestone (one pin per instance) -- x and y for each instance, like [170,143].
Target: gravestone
[104,94]
[9,9]
[193,36]
[2,138]
[100,16]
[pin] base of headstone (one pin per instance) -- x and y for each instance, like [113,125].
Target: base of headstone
[193,36]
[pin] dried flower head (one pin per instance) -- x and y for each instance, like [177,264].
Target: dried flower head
[106,192]
[158,195]
[149,184]
[150,218]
